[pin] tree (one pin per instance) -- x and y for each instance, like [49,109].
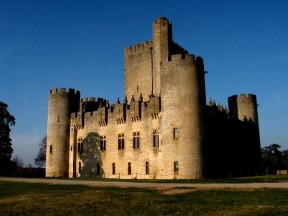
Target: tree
[6,150]
[40,159]
[18,161]
[272,158]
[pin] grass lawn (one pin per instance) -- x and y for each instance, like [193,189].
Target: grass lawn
[43,199]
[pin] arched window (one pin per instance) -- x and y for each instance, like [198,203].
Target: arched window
[147,168]
[129,168]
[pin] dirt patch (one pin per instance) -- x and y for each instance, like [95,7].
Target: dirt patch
[172,191]
[14,199]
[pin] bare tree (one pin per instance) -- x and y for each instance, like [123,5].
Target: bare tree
[40,159]
[18,161]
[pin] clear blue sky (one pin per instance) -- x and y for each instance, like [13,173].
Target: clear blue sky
[80,44]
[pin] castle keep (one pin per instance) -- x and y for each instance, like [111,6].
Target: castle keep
[163,128]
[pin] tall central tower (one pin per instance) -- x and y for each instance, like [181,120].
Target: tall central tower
[143,62]
[162,38]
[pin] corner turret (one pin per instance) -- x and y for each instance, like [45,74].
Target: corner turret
[244,107]
[61,104]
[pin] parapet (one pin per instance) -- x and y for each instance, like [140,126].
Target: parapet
[138,47]
[242,97]
[63,90]
[183,56]
[161,20]
[247,96]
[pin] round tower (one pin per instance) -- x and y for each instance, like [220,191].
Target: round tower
[61,105]
[244,107]
[183,102]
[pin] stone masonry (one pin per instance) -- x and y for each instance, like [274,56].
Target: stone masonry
[163,129]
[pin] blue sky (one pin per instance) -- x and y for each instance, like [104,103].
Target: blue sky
[80,44]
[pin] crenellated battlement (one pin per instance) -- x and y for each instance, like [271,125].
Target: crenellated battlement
[138,47]
[161,20]
[220,107]
[120,112]
[183,57]
[247,97]
[64,90]
[88,99]
[243,96]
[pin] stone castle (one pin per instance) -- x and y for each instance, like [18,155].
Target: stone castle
[162,130]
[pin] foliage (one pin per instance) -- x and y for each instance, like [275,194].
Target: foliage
[40,159]
[34,199]
[6,150]
[91,156]
[273,158]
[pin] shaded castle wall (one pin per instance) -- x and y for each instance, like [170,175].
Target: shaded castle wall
[61,104]
[233,146]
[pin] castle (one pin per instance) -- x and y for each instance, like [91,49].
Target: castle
[162,130]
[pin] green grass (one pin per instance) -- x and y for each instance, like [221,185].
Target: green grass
[254,179]
[43,199]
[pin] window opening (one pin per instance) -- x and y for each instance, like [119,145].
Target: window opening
[80,167]
[175,133]
[103,143]
[155,139]
[80,146]
[129,168]
[98,169]
[136,140]
[120,141]
[147,168]
[113,169]
[176,166]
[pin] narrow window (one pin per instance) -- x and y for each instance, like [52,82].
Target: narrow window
[80,167]
[156,139]
[98,169]
[51,149]
[147,168]
[120,141]
[103,143]
[80,146]
[176,166]
[113,169]
[175,133]
[136,140]
[129,168]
